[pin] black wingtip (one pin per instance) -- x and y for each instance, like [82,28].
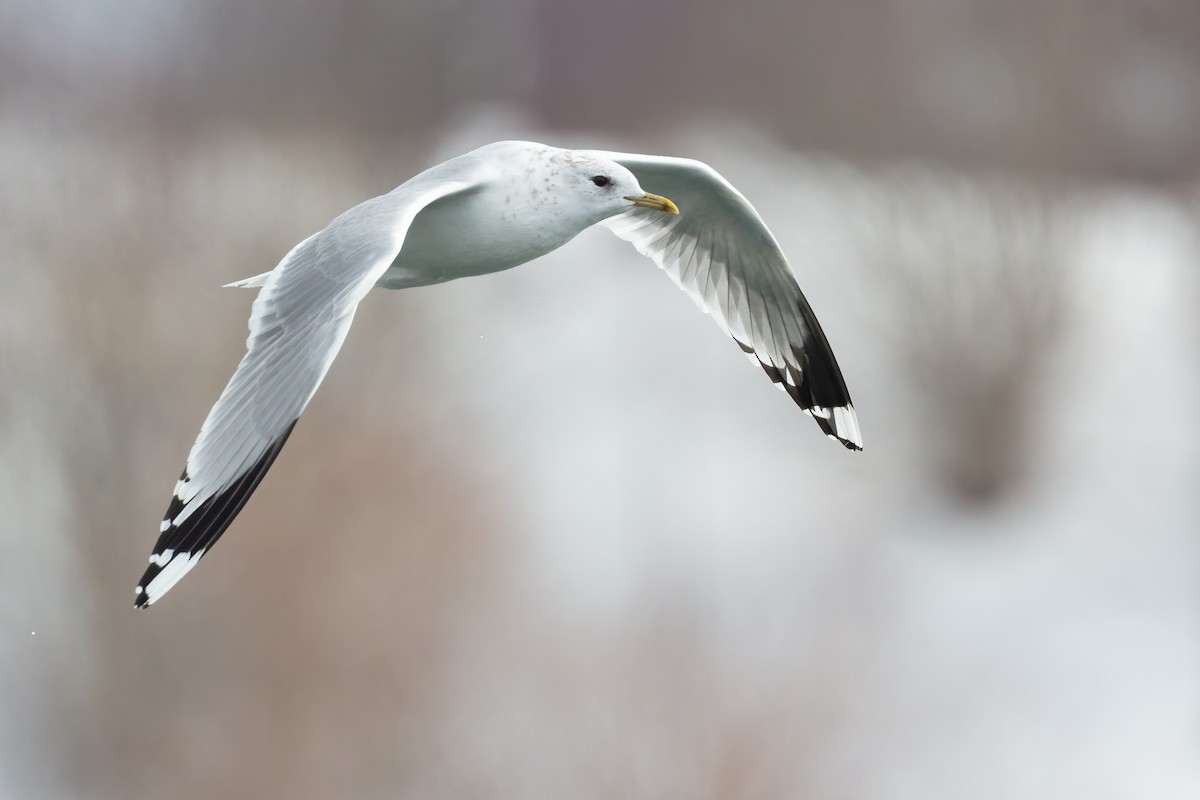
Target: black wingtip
[188,540]
[142,598]
[816,386]
[840,424]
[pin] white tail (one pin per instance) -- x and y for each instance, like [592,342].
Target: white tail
[248,283]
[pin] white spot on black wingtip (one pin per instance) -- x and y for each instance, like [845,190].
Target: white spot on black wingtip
[818,411]
[165,573]
[187,511]
[161,559]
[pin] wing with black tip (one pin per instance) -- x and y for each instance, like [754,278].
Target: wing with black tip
[298,323]
[720,252]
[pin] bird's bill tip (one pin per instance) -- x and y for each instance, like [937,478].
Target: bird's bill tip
[655,201]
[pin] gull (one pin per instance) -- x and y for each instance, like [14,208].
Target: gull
[486,211]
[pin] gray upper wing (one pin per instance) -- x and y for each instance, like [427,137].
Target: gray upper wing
[297,325]
[720,252]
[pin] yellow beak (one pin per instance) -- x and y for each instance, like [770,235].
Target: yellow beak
[655,201]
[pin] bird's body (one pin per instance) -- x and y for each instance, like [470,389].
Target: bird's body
[486,211]
[527,223]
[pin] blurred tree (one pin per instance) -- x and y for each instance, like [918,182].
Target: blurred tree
[978,284]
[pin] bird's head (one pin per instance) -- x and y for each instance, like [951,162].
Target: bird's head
[572,184]
[610,188]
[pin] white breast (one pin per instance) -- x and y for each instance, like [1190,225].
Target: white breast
[509,221]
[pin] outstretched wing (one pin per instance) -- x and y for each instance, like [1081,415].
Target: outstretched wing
[297,326]
[720,252]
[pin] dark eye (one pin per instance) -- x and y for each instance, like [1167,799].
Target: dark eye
[601,180]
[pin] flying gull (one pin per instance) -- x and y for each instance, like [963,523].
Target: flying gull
[489,210]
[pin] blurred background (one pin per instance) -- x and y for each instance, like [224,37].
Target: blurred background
[545,533]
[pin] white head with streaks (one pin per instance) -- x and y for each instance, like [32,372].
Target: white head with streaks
[570,184]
